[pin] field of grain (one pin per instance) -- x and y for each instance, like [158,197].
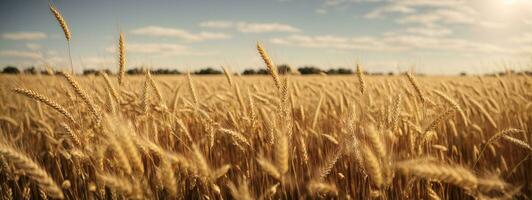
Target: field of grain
[265,137]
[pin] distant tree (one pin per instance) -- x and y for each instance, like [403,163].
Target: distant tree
[263,71]
[463,73]
[11,70]
[208,70]
[107,71]
[30,70]
[309,70]
[390,73]
[165,71]
[134,71]
[89,72]
[249,72]
[339,71]
[283,69]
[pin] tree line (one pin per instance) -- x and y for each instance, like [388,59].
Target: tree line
[282,69]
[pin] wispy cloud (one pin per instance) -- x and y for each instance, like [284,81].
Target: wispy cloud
[433,31]
[246,27]
[33,46]
[24,36]
[336,42]
[250,27]
[393,42]
[217,24]
[21,54]
[163,49]
[157,31]
[432,13]
[342,2]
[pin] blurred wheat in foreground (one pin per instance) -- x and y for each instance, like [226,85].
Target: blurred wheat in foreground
[293,137]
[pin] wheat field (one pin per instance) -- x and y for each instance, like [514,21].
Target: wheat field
[265,137]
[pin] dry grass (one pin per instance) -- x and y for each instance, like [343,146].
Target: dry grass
[251,137]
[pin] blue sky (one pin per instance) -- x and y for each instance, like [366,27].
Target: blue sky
[429,36]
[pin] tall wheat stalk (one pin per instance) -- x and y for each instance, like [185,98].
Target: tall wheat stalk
[64,26]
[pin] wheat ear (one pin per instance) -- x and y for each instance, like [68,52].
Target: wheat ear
[154,86]
[372,166]
[121,58]
[72,136]
[484,112]
[269,168]
[192,89]
[508,131]
[62,22]
[45,100]
[83,96]
[116,183]
[452,174]
[281,152]
[454,104]
[32,170]
[111,88]
[361,81]
[416,86]
[228,76]
[64,26]
[269,64]
[316,187]
[517,142]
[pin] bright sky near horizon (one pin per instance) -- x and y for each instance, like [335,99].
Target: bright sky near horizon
[430,36]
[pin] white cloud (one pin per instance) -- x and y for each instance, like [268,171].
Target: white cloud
[525,38]
[430,31]
[162,49]
[246,27]
[440,12]
[446,16]
[33,46]
[250,27]
[321,11]
[158,31]
[342,2]
[217,24]
[97,62]
[411,6]
[336,42]
[390,42]
[21,54]
[24,36]
[527,22]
